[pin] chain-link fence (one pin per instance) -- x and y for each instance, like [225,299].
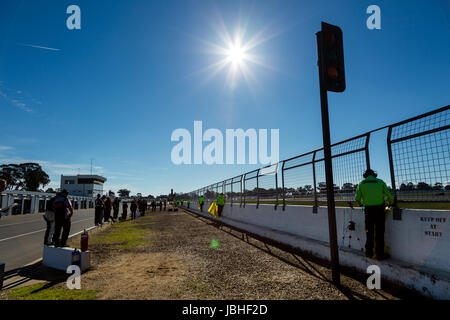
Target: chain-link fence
[419,161]
[420,158]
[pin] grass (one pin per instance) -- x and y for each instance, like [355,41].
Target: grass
[199,287]
[43,292]
[126,234]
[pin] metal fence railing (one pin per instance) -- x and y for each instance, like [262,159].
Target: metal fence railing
[419,157]
[419,162]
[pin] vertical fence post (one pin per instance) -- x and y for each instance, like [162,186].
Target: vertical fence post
[397,214]
[243,191]
[366,147]
[276,186]
[282,186]
[314,182]
[231,200]
[240,184]
[257,189]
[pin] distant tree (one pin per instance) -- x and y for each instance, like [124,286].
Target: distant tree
[438,186]
[34,176]
[111,194]
[423,186]
[50,190]
[407,187]
[12,174]
[348,187]
[447,187]
[25,176]
[124,193]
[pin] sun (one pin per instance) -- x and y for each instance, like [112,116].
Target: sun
[236,54]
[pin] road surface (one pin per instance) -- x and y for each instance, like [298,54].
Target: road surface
[22,236]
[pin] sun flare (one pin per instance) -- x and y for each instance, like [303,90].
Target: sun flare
[236,54]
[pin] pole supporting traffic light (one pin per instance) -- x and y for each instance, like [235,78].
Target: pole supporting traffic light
[331,78]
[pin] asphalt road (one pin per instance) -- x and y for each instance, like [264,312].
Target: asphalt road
[22,236]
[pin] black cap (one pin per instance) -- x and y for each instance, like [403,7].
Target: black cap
[370,172]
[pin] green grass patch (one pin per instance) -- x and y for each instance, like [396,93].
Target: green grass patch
[199,287]
[42,292]
[125,235]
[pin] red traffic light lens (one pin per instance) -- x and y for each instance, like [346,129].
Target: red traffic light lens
[332,73]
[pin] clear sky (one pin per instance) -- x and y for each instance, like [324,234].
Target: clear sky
[137,70]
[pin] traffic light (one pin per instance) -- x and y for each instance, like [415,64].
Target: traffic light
[331,58]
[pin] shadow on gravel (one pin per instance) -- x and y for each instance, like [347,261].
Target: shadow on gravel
[301,261]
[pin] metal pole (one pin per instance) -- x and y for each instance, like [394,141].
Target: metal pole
[334,253]
[314,183]
[282,183]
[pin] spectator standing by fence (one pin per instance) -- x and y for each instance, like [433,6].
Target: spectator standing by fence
[201,202]
[108,208]
[49,217]
[220,203]
[116,205]
[371,193]
[133,209]
[99,207]
[63,214]
[124,211]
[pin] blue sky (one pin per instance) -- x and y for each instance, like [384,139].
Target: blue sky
[137,70]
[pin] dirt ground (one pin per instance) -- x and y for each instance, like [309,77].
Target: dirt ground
[178,255]
[183,256]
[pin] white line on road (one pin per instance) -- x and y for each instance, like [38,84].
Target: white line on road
[14,224]
[26,234]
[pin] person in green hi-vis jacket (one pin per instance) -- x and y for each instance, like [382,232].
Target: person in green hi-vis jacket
[201,202]
[220,204]
[372,193]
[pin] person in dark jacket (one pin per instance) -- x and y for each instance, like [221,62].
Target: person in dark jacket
[108,208]
[124,211]
[116,205]
[49,218]
[63,214]
[133,209]
[99,207]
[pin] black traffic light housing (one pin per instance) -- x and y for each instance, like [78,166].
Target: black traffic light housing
[331,58]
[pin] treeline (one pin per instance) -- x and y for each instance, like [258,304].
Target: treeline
[24,176]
